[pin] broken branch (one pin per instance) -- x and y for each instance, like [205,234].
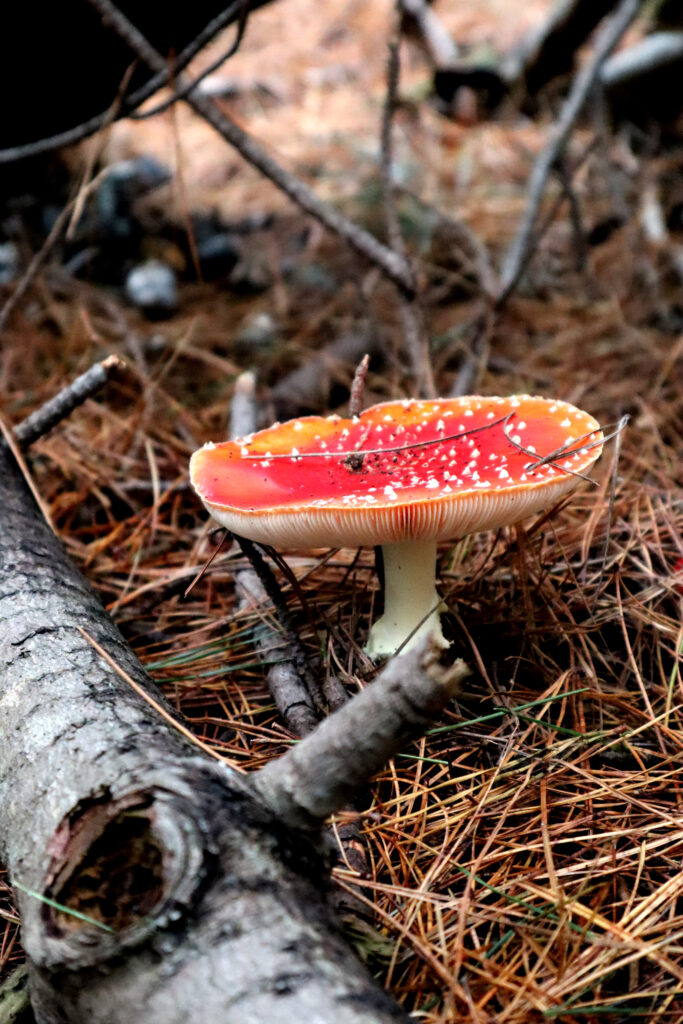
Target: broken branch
[63,404]
[316,777]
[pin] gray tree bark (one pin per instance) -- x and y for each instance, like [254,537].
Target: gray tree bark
[209,905]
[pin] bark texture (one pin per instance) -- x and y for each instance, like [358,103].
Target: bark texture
[210,907]
[314,778]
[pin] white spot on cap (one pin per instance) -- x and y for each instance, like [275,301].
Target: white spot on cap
[566,422]
[298,426]
[432,484]
[389,492]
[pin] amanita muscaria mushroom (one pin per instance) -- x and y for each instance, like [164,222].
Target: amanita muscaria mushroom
[404,475]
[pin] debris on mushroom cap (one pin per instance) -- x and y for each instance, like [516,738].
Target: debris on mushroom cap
[411,469]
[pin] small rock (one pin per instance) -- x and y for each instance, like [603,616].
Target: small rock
[260,332]
[126,182]
[251,275]
[218,255]
[152,287]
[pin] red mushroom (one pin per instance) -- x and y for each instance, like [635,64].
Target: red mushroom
[404,475]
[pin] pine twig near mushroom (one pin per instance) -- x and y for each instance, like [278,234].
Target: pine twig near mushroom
[404,475]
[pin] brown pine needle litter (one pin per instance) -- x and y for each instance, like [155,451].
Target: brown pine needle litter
[526,856]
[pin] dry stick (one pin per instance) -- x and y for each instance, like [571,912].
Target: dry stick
[610,510]
[358,386]
[575,218]
[437,40]
[414,334]
[190,86]
[557,202]
[68,399]
[476,359]
[288,671]
[288,634]
[392,264]
[583,84]
[314,778]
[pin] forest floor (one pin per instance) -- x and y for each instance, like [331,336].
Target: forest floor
[524,858]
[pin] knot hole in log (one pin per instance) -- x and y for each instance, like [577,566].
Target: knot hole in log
[126,864]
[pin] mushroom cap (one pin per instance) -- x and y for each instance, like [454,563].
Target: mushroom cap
[421,470]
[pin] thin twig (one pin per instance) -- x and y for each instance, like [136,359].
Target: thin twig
[575,217]
[438,42]
[412,322]
[389,262]
[584,82]
[391,219]
[69,398]
[190,86]
[610,511]
[358,387]
[383,451]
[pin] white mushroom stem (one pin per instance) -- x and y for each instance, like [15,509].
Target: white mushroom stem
[411,603]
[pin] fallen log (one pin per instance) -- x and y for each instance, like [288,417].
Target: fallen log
[155,883]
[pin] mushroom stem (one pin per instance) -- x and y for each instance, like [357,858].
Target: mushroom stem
[411,602]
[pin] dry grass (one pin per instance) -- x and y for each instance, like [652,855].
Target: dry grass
[525,855]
